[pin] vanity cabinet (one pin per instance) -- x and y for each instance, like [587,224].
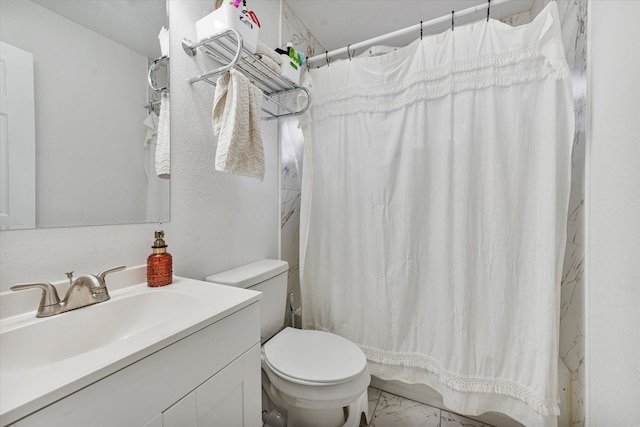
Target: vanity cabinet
[208,378]
[221,400]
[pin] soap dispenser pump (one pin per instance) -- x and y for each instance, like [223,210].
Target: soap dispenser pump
[159,263]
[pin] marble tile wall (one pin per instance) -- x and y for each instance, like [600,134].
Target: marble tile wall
[291,142]
[291,175]
[294,30]
[573,16]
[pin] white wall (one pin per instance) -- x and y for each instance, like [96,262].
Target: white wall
[613,215]
[217,220]
[104,90]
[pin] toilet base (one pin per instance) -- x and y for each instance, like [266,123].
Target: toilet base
[348,416]
[304,417]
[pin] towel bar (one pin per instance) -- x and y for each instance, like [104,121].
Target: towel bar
[163,60]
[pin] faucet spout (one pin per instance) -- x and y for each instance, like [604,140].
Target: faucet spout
[87,290]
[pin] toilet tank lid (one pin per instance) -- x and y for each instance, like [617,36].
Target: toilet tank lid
[249,275]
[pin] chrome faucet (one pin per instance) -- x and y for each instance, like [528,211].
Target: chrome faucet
[83,291]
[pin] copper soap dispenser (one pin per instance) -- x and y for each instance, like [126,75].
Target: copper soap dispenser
[159,263]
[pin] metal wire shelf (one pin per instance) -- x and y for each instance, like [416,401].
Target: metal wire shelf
[226,48]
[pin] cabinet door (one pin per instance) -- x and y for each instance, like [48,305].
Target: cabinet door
[155,422]
[182,413]
[232,397]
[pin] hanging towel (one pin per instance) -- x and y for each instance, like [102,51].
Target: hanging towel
[163,148]
[151,123]
[236,121]
[157,197]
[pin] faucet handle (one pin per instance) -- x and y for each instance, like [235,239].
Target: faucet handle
[49,303]
[102,275]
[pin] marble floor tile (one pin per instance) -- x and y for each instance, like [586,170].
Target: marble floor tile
[394,411]
[389,410]
[449,419]
[374,396]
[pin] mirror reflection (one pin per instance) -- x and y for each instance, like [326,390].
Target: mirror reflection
[84,138]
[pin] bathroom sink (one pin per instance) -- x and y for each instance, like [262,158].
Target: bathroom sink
[45,359]
[41,341]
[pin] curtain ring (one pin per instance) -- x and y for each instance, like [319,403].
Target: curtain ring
[452,12]
[420,30]
[326,56]
[349,51]
[488,10]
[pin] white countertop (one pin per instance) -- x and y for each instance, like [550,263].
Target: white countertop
[25,389]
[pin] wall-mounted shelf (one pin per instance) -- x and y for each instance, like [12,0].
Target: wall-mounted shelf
[226,48]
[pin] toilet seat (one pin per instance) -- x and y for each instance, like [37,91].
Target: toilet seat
[310,357]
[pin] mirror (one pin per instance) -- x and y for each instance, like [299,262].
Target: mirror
[86,153]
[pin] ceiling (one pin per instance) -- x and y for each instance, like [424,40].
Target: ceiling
[336,23]
[131,23]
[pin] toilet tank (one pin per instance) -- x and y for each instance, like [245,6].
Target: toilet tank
[268,276]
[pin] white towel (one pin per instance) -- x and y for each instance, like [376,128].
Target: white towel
[236,121]
[151,123]
[263,49]
[267,61]
[163,146]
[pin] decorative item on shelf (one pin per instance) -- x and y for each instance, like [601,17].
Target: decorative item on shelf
[291,65]
[159,263]
[228,17]
[297,57]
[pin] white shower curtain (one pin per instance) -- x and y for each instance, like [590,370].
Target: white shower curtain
[434,208]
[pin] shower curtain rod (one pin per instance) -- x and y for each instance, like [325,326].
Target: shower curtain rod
[417,29]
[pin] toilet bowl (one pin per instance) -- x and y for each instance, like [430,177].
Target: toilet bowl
[314,375]
[314,378]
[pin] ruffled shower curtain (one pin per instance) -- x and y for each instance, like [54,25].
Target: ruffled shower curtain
[434,208]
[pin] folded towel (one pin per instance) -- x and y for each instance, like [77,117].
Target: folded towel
[266,60]
[263,49]
[236,121]
[163,146]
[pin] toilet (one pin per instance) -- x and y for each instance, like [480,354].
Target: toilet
[314,378]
